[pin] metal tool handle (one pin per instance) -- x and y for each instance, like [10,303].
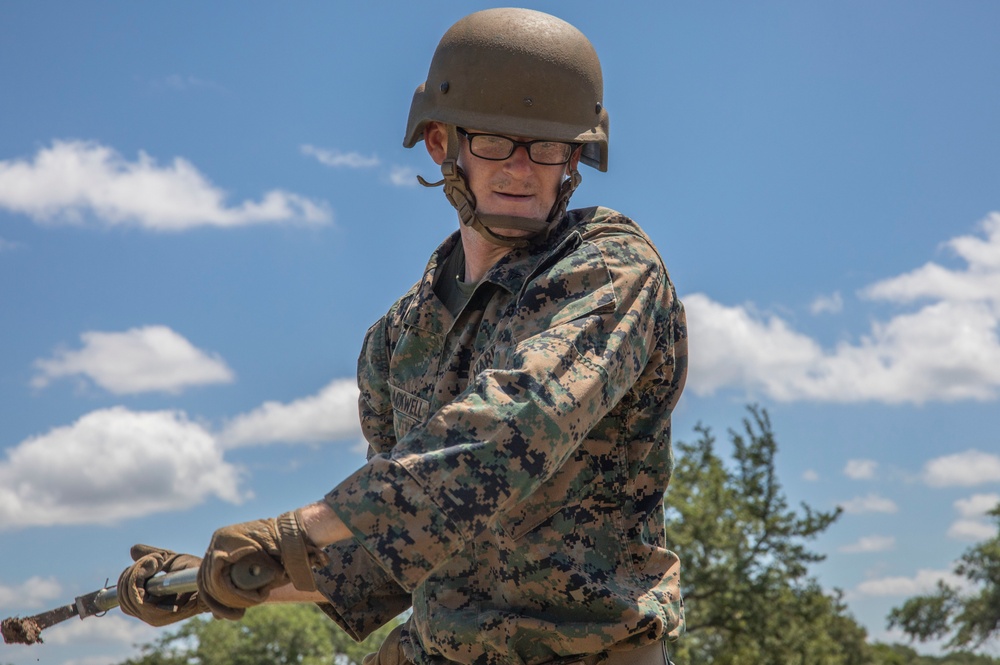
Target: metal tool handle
[251,572]
[255,571]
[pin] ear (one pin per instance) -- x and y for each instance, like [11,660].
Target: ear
[436,141]
[574,159]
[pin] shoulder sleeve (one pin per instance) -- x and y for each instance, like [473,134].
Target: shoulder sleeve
[374,399]
[374,407]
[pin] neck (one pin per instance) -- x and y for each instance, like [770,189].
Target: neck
[480,254]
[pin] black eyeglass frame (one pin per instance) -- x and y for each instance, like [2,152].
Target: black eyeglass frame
[514,145]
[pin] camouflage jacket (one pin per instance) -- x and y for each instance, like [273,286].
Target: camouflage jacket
[519,455]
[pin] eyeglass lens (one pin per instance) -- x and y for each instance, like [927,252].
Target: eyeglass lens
[490,146]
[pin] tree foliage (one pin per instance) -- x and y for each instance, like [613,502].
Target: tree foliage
[970,617]
[284,634]
[744,576]
[899,654]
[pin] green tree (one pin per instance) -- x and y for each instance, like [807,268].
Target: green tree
[970,617]
[899,654]
[747,594]
[286,634]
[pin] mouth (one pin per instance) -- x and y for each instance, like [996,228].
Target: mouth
[513,199]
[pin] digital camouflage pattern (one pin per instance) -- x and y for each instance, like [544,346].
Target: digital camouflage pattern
[519,455]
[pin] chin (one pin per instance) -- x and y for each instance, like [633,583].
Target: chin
[536,215]
[512,233]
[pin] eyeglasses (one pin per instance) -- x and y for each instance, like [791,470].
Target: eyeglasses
[498,148]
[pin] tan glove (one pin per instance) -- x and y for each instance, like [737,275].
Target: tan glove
[282,539]
[390,652]
[157,610]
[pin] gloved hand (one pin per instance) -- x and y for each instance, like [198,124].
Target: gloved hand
[157,610]
[390,652]
[282,539]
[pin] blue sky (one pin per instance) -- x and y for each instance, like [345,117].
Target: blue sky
[203,206]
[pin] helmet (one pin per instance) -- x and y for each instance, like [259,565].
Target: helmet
[517,72]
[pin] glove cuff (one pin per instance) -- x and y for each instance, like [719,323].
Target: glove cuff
[298,553]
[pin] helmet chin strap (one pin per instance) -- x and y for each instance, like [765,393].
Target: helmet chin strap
[456,189]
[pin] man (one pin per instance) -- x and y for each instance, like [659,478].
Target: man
[516,400]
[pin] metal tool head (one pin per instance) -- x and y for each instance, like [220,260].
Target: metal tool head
[28,630]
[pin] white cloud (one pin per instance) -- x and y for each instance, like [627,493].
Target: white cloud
[181,83]
[831,304]
[810,476]
[900,361]
[971,530]
[946,350]
[403,176]
[7,245]
[72,180]
[33,592]
[977,505]
[335,158]
[738,348]
[331,414]
[869,544]
[873,503]
[972,524]
[924,581]
[152,358]
[111,465]
[398,176]
[860,469]
[964,469]
[980,282]
[114,630]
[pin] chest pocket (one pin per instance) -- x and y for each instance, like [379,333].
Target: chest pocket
[413,370]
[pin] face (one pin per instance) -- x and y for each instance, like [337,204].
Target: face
[515,186]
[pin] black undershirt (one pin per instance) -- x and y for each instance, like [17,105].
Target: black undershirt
[449,286]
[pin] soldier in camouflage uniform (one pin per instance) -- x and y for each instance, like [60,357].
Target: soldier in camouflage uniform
[516,400]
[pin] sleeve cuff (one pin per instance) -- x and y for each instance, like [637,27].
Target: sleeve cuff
[362,597]
[394,519]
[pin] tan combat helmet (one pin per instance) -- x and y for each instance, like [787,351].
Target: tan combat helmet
[517,72]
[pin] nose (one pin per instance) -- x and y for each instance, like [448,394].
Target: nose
[518,162]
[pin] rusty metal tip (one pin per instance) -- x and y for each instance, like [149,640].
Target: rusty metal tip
[20,631]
